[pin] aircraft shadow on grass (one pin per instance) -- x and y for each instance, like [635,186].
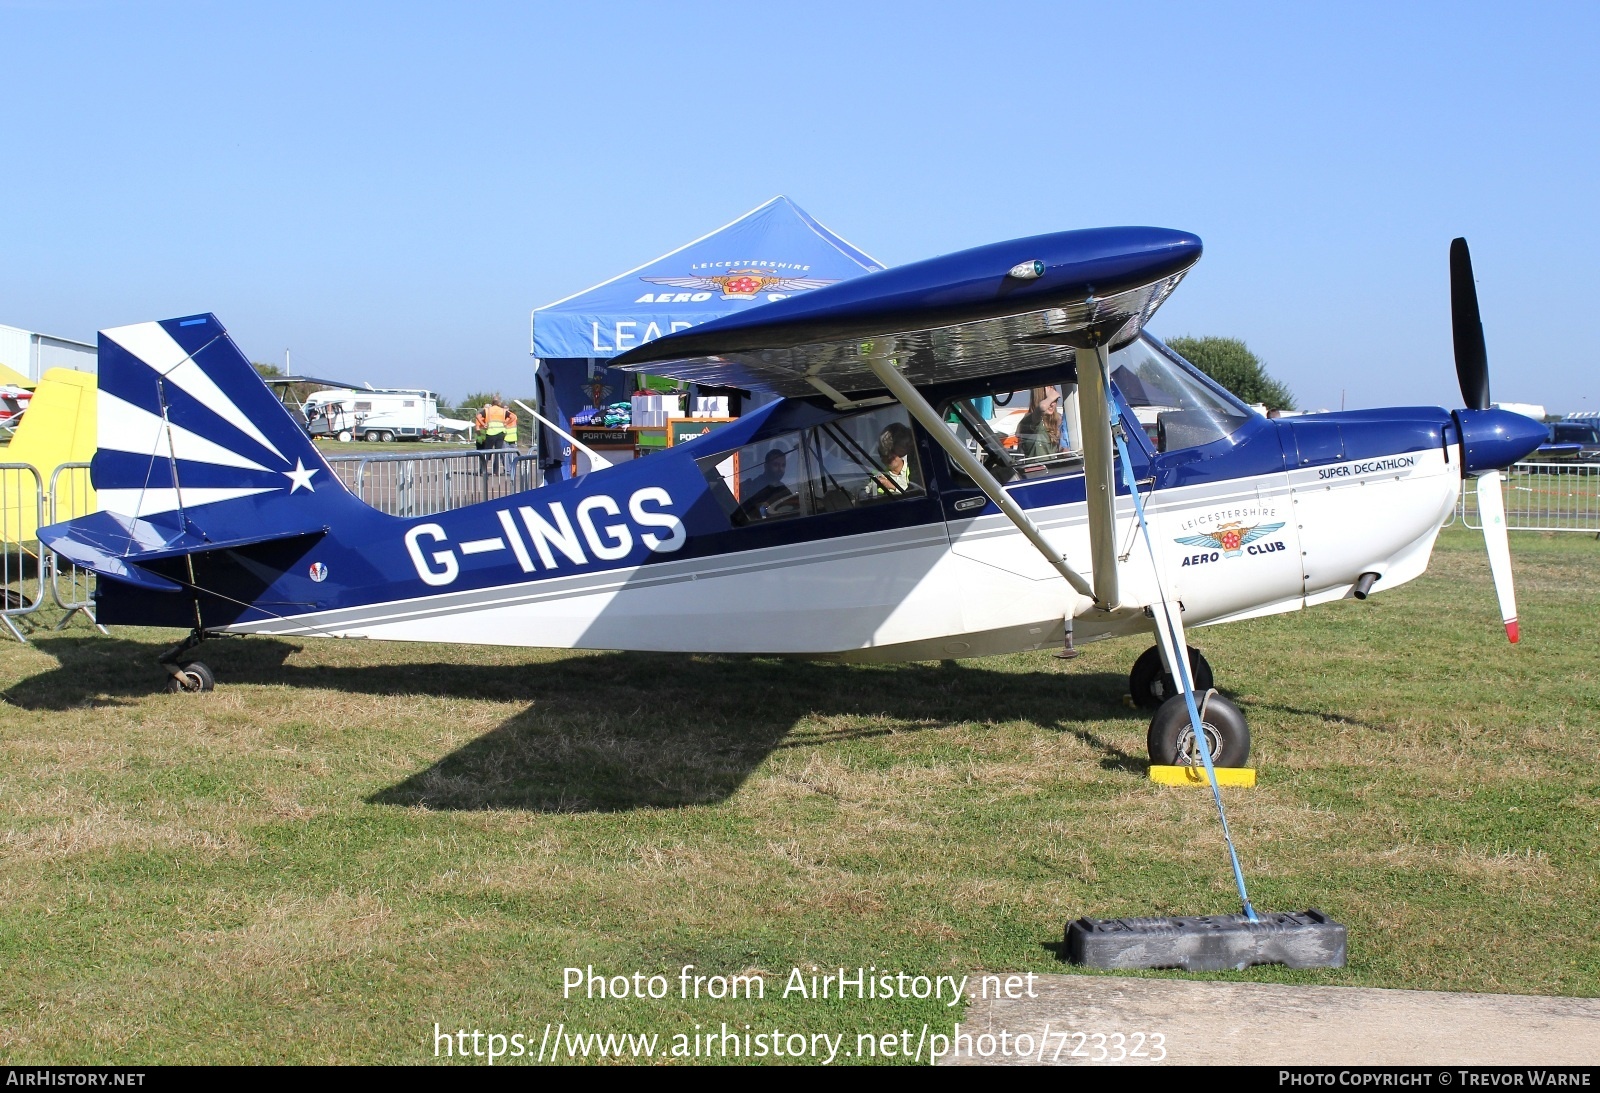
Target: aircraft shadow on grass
[620,731]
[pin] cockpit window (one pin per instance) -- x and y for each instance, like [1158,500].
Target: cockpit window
[1178,406]
[863,459]
[1028,434]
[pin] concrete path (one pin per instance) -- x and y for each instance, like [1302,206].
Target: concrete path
[1270,1025]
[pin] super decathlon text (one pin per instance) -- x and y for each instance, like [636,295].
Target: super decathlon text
[1372,466]
[597,522]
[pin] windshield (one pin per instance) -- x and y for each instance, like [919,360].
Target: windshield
[1176,403]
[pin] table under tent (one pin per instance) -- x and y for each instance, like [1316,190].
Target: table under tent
[771,252]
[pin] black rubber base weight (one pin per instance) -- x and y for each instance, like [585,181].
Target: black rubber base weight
[1209,943]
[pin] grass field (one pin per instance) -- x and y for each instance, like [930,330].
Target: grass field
[349,842]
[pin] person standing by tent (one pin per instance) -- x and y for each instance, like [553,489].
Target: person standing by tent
[511,438]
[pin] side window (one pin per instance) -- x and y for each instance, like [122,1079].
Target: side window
[861,460]
[1029,434]
[758,482]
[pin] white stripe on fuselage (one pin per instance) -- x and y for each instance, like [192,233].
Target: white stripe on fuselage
[904,587]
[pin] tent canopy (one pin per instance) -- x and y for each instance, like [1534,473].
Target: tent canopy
[771,252]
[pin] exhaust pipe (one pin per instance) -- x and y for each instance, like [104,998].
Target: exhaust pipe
[1364,585]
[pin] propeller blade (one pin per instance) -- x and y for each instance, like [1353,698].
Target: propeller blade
[1472,359]
[1492,511]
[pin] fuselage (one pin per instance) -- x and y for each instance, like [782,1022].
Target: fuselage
[674,553]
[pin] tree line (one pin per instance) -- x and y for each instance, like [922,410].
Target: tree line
[1230,363]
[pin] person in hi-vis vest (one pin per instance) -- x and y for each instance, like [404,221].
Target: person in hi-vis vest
[491,426]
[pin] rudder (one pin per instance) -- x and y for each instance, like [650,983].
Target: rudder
[185,422]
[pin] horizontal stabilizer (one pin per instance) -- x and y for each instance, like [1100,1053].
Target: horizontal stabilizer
[116,546]
[1004,307]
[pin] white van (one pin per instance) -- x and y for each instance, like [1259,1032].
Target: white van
[377,415]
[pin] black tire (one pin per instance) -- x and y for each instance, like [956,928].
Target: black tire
[192,678]
[370,436]
[1171,739]
[386,437]
[1150,686]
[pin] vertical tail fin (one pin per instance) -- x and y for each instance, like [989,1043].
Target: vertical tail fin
[185,424]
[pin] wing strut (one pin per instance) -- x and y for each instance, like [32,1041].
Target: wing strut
[909,397]
[1099,469]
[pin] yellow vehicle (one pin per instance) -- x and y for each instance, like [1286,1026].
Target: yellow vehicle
[59,427]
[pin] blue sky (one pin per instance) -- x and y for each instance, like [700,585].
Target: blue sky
[388,190]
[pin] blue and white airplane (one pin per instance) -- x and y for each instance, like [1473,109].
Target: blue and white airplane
[950,473]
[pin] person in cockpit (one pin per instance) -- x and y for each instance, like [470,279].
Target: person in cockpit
[765,495]
[1039,432]
[894,457]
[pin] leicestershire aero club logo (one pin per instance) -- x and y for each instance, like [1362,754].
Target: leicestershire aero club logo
[1230,538]
[743,284]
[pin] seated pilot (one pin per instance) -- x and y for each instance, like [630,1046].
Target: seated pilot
[765,495]
[894,457]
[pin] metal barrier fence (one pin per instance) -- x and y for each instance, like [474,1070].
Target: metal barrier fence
[1543,497]
[420,485]
[22,577]
[399,484]
[71,587]
[26,571]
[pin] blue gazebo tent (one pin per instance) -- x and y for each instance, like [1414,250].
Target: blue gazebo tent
[772,251]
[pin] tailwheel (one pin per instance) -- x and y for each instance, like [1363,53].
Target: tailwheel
[1150,685]
[1171,740]
[191,678]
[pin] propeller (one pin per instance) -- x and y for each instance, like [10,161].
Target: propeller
[1472,370]
[1472,359]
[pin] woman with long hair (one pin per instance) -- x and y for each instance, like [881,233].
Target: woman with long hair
[1039,432]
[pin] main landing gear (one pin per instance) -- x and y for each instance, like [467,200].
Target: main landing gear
[185,676]
[1171,739]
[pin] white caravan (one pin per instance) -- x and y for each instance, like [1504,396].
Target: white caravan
[377,415]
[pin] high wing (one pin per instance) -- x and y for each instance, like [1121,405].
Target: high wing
[290,381]
[977,312]
[1048,299]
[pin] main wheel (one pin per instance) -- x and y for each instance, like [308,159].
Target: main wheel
[344,436]
[1150,686]
[1171,739]
[192,678]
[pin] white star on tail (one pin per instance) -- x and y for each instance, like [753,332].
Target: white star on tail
[301,476]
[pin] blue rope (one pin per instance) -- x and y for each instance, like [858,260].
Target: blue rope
[1180,665]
